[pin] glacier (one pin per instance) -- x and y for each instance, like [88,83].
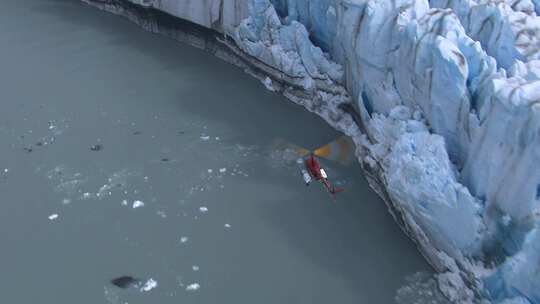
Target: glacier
[441,97]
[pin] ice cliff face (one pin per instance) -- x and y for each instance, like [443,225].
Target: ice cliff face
[445,112]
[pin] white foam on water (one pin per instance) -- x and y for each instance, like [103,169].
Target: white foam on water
[203,209]
[184,239]
[53,216]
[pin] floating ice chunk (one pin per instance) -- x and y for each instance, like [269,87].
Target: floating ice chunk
[223,170]
[195,268]
[53,216]
[205,137]
[184,239]
[210,170]
[66,201]
[97,147]
[149,285]
[227,225]
[124,203]
[6,170]
[137,204]
[203,209]
[161,213]
[193,287]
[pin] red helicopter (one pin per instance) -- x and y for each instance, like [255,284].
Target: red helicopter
[314,171]
[339,150]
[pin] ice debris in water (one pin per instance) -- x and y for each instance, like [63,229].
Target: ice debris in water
[193,287]
[124,203]
[227,225]
[268,84]
[53,216]
[195,268]
[184,239]
[419,288]
[205,137]
[137,204]
[97,147]
[203,209]
[149,285]
[66,201]
[223,170]
[6,170]
[104,190]
[210,170]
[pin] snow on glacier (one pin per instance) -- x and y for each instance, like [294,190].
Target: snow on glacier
[286,48]
[448,94]
[508,30]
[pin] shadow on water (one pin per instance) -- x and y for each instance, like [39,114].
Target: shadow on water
[343,239]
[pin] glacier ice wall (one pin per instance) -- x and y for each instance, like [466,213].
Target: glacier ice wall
[445,114]
[508,30]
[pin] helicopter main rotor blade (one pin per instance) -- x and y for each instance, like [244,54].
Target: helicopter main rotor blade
[340,150]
